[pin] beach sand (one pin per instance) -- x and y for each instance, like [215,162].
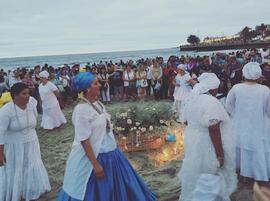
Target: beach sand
[158,168]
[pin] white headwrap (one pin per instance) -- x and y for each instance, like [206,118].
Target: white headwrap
[207,81]
[252,71]
[44,74]
[182,67]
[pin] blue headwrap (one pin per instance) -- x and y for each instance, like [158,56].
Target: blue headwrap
[83,80]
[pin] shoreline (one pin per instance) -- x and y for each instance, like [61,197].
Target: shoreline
[228,46]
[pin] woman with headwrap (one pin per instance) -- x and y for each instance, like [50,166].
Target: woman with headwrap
[22,173]
[52,116]
[208,140]
[249,105]
[96,169]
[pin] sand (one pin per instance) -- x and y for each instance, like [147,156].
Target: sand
[158,168]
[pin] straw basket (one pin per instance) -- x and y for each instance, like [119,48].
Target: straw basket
[140,143]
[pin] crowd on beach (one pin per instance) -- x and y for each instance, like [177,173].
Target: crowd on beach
[221,139]
[141,79]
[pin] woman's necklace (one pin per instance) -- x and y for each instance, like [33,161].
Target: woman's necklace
[108,123]
[19,122]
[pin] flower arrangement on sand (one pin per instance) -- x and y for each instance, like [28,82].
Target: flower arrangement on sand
[148,118]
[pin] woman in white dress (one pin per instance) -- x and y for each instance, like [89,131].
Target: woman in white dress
[52,116]
[182,90]
[22,173]
[96,169]
[209,145]
[249,105]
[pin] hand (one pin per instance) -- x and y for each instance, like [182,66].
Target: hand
[2,160]
[221,161]
[99,172]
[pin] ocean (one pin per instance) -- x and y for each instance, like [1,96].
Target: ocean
[58,60]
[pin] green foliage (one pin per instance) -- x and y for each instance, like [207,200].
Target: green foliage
[147,117]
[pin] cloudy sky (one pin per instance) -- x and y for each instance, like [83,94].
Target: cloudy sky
[51,27]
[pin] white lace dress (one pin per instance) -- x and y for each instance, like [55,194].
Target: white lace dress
[52,116]
[249,106]
[200,155]
[24,175]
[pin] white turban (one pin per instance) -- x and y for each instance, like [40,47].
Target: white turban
[44,74]
[252,71]
[182,67]
[207,81]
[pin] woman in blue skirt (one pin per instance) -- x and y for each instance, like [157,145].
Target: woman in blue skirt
[96,169]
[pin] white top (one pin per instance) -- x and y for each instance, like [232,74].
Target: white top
[156,72]
[90,125]
[65,80]
[17,125]
[47,95]
[128,76]
[249,106]
[181,92]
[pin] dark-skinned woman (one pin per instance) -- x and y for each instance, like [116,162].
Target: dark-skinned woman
[209,145]
[96,169]
[23,175]
[52,116]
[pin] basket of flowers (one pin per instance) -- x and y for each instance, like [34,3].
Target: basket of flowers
[141,126]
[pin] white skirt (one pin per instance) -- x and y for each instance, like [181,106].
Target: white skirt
[200,158]
[181,93]
[24,175]
[253,164]
[52,118]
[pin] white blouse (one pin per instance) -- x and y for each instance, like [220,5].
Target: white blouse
[18,125]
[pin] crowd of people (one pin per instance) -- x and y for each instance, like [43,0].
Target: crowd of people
[141,79]
[221,139]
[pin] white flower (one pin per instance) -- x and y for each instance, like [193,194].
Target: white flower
[129,121]
[137,123]
[131,129]
[134,128]
[129,110]
[161,121]
[154,109]
[137,132]
[143,129]
[151,128]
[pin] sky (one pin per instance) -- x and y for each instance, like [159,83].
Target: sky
[56,27]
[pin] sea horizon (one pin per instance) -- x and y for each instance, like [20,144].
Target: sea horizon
[83,58]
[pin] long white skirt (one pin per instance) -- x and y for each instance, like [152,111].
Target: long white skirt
[253,164]
[200,158]
[52,118]
[24,175]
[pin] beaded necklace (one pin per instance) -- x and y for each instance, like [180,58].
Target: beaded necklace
[108,124]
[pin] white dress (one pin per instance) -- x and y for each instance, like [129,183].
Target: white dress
[24,175]
[181,92]
[200,156]
[249,106]
[52,116]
